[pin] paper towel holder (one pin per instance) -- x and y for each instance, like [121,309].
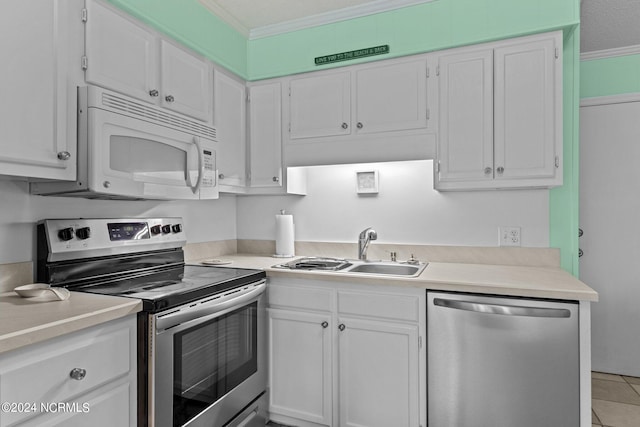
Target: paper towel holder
[284,248]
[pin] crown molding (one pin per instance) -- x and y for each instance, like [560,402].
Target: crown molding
[225,16]
[610,99]
[371,8]
[610,53]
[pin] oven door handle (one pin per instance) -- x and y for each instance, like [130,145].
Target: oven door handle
[206,310]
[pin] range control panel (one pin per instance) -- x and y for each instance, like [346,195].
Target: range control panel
[80,238]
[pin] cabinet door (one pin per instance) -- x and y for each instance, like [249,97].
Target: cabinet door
[391,97]
[379,374]
[300,378]
[527,106]
[121,55]
[41,47]
[186,82]
[320,105]
[265,135]
[465,143]
[229,118]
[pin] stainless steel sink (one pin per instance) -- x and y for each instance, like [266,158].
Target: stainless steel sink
[375,268]
[386,268]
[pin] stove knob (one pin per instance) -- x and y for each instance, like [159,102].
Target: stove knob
[176,228]
[155,229]
[166,229]
[65,234]
[83,233]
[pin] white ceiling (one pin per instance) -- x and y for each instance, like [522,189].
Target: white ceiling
[609,24]
[256,19]
[605,24]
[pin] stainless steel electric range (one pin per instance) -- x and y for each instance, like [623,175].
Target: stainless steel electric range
[201,336]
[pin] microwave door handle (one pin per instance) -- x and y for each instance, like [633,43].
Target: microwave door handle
[196,188]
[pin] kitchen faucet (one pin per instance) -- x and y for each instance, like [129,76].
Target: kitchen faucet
[365,237]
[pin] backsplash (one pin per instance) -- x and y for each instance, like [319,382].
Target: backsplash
[405,210]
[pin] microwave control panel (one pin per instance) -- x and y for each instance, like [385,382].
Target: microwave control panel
[209,175]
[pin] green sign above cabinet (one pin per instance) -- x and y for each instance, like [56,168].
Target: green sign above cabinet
[353,54]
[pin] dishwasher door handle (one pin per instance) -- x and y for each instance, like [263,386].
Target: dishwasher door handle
[505,310]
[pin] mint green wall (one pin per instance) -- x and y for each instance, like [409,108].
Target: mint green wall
[190,23]
[415,29]
[610,76]
[563,201]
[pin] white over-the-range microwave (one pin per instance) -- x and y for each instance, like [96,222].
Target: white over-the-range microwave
[128,149]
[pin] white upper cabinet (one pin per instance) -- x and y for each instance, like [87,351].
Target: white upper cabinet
[320,105]
[391,97]
[185,82]
[527,108]
[41,45]
[465,147]
[362,100]
[501,115]
[265,135]
[123,55]
[229,118]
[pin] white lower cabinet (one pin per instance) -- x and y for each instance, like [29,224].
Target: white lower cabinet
[300,368]
[84,378]
[343,354]
[378,373]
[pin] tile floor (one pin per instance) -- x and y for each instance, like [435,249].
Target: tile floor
[615,400]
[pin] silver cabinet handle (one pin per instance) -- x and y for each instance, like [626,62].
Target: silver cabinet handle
[221,176]
[487,170]
[169,98]
[64,155]
[106,184]
[360,125]
[341,326]
[344,125]
[154,93]
[276,179]
[506,310]
[500,170]
[78,374]
[325,324]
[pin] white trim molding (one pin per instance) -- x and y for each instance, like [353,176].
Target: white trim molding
[610,53]
[610,99]
[370,8]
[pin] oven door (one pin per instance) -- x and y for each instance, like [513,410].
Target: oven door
[207,359]
[134,158]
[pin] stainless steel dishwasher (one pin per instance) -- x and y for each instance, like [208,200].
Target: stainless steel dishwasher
[502,362]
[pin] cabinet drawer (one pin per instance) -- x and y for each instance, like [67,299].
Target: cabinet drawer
[388,306]
[104,354]
[104,409]
[301,298]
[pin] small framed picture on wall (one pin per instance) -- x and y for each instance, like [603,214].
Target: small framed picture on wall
[367,182]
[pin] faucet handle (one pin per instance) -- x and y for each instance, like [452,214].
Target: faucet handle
[413,260]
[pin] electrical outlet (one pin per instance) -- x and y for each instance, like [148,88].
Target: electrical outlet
[509,236]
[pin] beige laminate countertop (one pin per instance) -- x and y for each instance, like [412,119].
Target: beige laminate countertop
[535,282]
[25,321]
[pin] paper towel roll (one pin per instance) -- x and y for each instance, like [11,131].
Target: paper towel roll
[284,236]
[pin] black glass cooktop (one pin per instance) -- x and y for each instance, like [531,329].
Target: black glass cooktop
[173,286]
